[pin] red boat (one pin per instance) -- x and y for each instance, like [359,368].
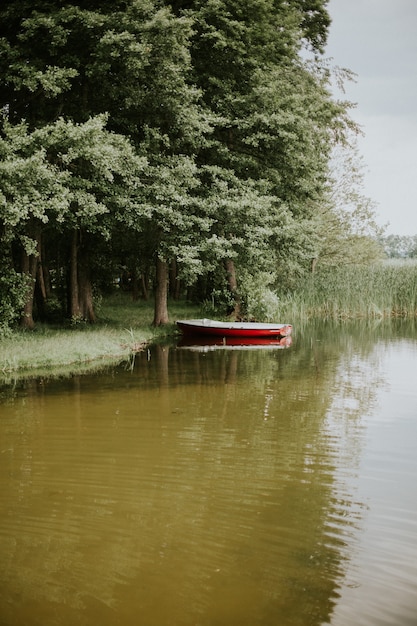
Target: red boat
[233,329]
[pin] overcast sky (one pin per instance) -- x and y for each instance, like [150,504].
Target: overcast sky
[377,39]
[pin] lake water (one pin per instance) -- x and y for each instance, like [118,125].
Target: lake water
[217,487]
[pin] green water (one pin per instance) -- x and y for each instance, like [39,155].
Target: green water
[217,487]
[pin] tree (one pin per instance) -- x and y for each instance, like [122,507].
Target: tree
[173,220]
[346,226]
[67,177]
[31,189]
[215,150]
[128,60]
[121,58]
[399,246]
[275,124]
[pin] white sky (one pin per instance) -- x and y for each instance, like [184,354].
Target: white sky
[377,39]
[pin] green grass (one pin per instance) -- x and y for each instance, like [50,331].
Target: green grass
[123,328]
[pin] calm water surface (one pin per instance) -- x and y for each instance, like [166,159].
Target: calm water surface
[228,487]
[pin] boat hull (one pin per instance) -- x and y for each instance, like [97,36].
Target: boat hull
[214,328]
[205,343]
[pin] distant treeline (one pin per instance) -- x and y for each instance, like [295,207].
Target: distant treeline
[400,246]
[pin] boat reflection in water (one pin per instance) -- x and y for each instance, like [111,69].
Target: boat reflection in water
[205,343]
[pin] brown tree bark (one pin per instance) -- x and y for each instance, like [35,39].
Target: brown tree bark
[81,289]
[161,294]
[44,267]
[135,285]
[144,280]
[85,290]
[43,288]
[29,266]
[174,281]
[74,299]
[232,285]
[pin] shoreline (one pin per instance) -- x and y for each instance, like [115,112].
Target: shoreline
[124,327]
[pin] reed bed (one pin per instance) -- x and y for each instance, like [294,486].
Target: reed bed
[377,291]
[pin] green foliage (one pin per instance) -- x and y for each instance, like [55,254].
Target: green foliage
[345,221]
[30,186]
[64,174]
[399,246]
[219,302]
[190,131]
[128,59]
[260,301]
[58,178]
[13,289]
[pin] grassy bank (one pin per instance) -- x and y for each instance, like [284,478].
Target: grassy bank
[123,327]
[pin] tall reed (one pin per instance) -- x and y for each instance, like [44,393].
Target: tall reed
[376,291]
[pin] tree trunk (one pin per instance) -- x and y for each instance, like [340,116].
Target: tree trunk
[229,264]
[144,279]
[44,271]
[174,281]
[30,264]
[29,268]
[74,300]
[85,290]
[135,285]
[85,286]
[42,283]
[161,294]
[81,290]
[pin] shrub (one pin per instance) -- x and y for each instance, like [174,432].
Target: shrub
[12,297]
